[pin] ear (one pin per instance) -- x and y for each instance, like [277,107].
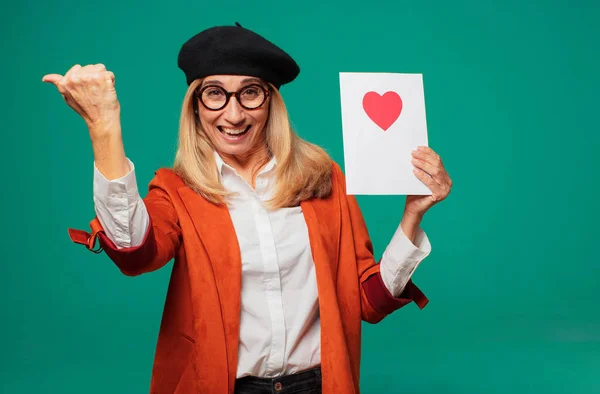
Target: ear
[197,115]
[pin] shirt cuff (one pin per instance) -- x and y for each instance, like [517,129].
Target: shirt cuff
[115,201]
[401,258]
[126,186]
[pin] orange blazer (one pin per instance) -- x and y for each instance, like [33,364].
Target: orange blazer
[197,345]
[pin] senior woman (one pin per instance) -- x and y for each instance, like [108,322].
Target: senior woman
[274,269]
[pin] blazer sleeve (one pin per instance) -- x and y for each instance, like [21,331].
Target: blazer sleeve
[161,241]
[376,300]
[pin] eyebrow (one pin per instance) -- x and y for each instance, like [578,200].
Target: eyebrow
[213,82]
[257,80]
[217,82]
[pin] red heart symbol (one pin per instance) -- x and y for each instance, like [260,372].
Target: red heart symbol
[383,110]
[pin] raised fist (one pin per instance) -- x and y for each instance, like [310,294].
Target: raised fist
[90,91]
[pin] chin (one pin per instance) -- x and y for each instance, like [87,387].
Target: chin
[233,150]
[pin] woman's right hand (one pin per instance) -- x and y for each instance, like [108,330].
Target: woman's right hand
[90,91]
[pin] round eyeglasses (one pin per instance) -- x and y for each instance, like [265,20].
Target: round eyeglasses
[249,97]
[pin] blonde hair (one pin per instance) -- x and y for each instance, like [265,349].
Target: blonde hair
[303,169]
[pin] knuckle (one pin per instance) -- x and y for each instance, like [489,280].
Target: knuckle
[99,77]
[70,82]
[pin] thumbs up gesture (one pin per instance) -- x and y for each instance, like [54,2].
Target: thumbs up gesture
[90,91]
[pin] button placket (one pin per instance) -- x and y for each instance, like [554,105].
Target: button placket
[272,286]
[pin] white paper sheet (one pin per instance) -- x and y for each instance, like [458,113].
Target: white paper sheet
[383,120]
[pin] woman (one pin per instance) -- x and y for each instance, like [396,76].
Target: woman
[274,268]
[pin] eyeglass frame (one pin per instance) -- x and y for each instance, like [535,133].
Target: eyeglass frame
[198,93]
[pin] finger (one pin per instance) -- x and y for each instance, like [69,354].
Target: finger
[426,156]
[425,148]
[435,171]
[100,66]
[110,77]
[52,78]
[429,151]
[435,188]
[72,70]
[426,153]
[90,68]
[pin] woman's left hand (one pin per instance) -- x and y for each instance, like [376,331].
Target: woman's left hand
[430,170]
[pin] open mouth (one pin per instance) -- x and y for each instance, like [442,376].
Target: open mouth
[234,133]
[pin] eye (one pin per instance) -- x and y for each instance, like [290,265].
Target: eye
[213,92]
[252,91]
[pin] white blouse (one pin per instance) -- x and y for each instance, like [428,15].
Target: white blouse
[279,321]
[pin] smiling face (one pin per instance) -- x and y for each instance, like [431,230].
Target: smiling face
[234,130]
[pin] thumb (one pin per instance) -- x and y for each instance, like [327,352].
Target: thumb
[52,78]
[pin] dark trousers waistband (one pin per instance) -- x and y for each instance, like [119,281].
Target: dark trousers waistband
[304,382]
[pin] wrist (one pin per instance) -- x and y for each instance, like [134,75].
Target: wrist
[410,223]
[412,216]
[105,127]
[109,156]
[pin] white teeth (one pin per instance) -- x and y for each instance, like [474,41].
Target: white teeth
[233,131]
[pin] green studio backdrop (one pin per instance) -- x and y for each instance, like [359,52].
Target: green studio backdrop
[511,91]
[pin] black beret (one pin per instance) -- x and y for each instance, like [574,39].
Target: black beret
[234,50]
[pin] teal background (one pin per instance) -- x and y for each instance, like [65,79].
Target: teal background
[511,91]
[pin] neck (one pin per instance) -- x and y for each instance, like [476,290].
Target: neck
[249,163]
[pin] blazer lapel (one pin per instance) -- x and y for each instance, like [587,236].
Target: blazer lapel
[323,219]
[217,234]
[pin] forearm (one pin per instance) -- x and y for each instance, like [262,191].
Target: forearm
[410,224]
[109,152]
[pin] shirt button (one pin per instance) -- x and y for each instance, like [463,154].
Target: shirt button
[278,386]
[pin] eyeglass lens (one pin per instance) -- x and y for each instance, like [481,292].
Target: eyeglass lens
[215,97]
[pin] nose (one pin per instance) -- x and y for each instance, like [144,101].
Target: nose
[234,113]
